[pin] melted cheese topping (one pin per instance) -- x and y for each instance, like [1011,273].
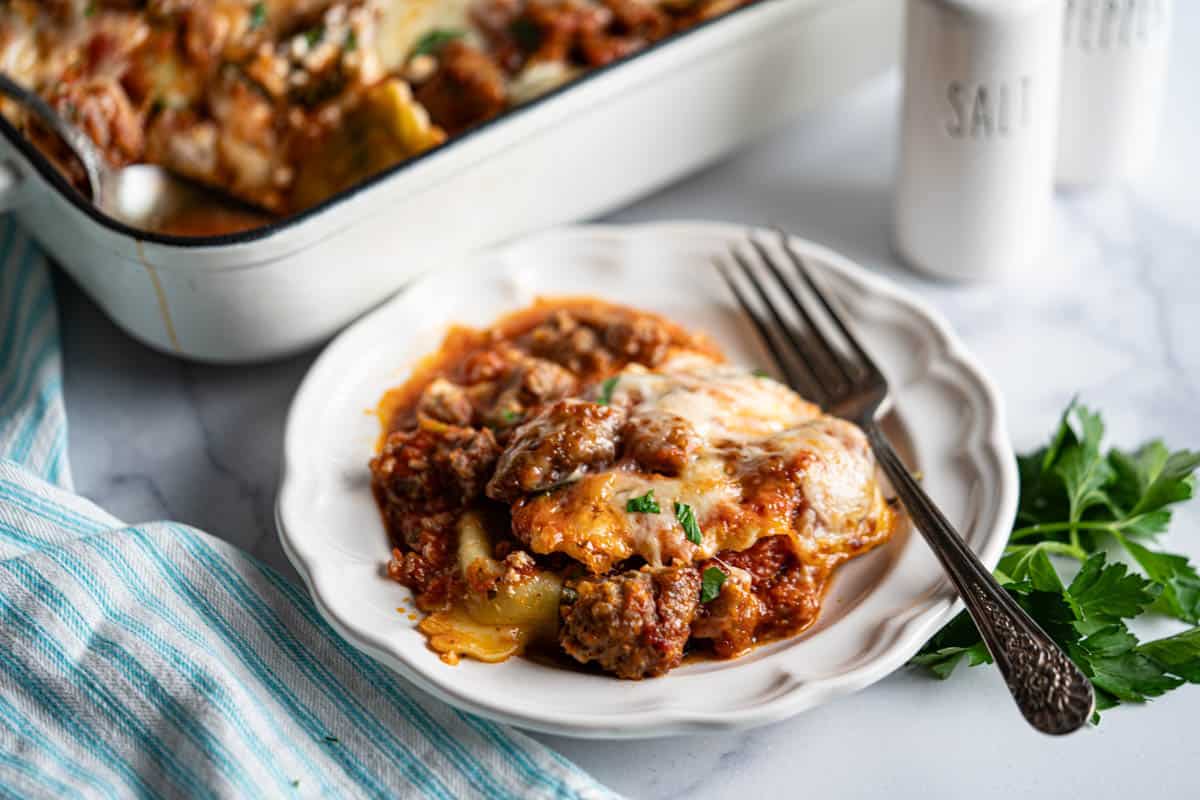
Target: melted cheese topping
[405,22]
[768,464]
[722,403]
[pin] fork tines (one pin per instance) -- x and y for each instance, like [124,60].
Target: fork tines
[812,346]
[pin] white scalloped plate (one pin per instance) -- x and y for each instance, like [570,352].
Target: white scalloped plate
[947,417]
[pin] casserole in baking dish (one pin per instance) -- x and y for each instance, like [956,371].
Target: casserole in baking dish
[609,136]
[283,103]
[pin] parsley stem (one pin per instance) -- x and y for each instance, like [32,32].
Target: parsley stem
[1027,551]
[1073,527]
[1063,549]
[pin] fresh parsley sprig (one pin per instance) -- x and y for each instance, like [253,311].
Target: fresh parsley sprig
[1079,503]
[258,15]
[606,390]
[687,518]
[646,504]
[433,41]
[711,582]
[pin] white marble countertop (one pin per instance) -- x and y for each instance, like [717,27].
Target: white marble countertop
[1113,316]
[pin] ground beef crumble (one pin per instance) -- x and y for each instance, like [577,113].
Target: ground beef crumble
[634,624]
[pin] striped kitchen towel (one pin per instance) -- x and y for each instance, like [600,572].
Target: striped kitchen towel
[157,661]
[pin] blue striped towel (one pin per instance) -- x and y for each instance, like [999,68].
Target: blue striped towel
[157,661]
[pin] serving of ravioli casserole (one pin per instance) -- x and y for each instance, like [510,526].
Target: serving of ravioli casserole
[590,480]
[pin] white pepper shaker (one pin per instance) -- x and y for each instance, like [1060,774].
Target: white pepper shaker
[976,177]
[1114,76]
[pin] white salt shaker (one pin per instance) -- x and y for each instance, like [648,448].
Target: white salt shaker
[1113,79]
[977,145]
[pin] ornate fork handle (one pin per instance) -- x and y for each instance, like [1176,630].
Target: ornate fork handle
[1052,693]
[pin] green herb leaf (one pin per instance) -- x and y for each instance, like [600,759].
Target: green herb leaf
[949,646]
[941,662]
[1108,592]
[1132,677]
[510,415]
[1079,503]
[435,40]
[646,504]
[1043,498]
[1030,563]
[761,373]
[687,518]
[1053,613]
[1152,477]
[314,35]
[1174,573]
[1178,654]
[350,43]
[606,390]
[1109,641]
[710,584]
[527,35]
[258,16]
[1083,468]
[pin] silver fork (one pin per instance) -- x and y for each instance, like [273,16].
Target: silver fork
[1052,693]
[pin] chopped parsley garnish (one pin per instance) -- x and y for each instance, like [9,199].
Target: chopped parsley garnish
[687,518]
[350,43]
[435,40]
[1079,502]
[710,584]
[90,9]
[761,373]
[646,504]
[606,390]
[314,35]
[526,33]
[258,16]
[168,102]
[511,416]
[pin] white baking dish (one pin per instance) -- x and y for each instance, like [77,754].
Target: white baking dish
[593,145]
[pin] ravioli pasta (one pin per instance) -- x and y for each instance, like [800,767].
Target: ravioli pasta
[493,623]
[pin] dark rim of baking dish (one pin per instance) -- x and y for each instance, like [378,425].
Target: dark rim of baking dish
[52,176]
